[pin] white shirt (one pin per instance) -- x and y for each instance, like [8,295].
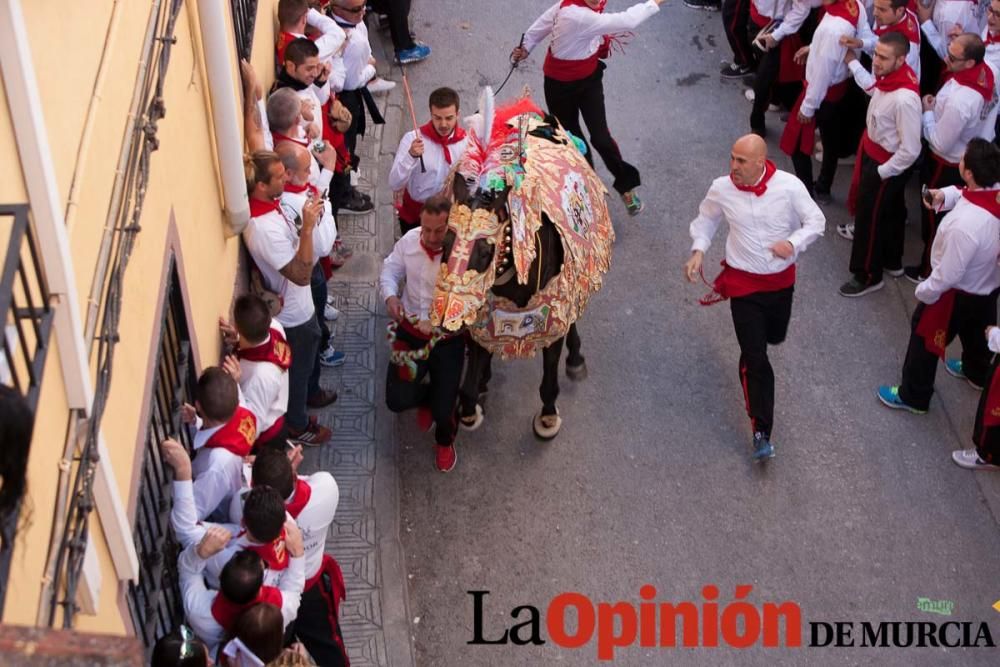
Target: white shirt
[314,520]
[794,18]
[869,39]
[965,250]
[217,474]
[273,241]
[993,342]
[773,9]
[577,32]
[959,115]
[409,263]
[953,12]
[405,172]
[785,212]
[324,232]
[198,598]
[825,66]
[358,70]
[265,387]
[892,121]
[188,527]
[992,56]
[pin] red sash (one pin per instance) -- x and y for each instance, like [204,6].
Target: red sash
[333,598]
[989,200]
[875,152]
[979,78]
[335,138]
[299,498]
[274,554]
[427,129]
[237,435]
[991,411]
[908,27]
[569,70]
[733,283]
[933,324]
[272,432]
[802,137]
[259,207]
[761,187]
[225,612]
[275,351]
[409,208]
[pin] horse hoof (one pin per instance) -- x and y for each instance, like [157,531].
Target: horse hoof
[472,422]
[577,373]
[547,427]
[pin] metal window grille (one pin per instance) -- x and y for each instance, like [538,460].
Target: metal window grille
[27,324]
[155,601]
[244,17]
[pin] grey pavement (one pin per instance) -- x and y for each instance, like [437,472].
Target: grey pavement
[649,482]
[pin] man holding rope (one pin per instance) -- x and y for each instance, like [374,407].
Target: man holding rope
[426,367]
[771,220]
[582,36]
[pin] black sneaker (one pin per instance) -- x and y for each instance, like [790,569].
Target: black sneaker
[707,5]
[763,449]
[734,71]
[895,271]
[355,204]
[912,274]
[822,194]
[855,287]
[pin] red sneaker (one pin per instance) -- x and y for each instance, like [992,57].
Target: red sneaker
[445,457]
[424,419]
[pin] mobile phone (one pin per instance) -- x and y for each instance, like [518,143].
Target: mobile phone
[926,195]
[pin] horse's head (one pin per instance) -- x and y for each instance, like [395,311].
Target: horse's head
[475,243]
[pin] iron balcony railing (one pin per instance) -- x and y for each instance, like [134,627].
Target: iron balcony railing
[244,17]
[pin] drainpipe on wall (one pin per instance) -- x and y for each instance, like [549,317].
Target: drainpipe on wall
[219,45]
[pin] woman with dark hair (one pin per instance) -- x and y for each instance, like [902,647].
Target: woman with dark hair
[180,648]
[15,434]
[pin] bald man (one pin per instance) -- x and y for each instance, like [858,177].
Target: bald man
[771,220]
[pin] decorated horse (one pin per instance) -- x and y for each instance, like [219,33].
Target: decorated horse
[529,240]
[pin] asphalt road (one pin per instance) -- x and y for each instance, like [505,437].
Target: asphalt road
[860,514]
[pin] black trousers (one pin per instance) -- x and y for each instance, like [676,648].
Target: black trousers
[568,100]
[830,122]
[987,440]
[398,12]
[878,223]
[314,628]
[358,102]
[435,387]
[767,89]
[736,23]
[934,174]
[317,284]
[760,319]
[405,226]
[969,319]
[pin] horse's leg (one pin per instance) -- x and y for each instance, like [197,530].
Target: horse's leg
[548,422]
[470,413]
[576,365]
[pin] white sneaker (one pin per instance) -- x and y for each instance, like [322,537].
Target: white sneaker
[378,85]
[331,358]
[330,313]
[846,230]
[969,458]
[749,94]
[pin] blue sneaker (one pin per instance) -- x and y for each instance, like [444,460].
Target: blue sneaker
[413,55]
[954,368]
[331,358]
[889,395]
[762,448]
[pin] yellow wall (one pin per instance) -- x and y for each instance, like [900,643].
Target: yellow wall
[183,185]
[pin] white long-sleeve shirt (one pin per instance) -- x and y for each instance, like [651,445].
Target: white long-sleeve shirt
[410,274]
[773,9]
[265,387]
[892,121]
[577,32]
[358,69]
[965,250]
[794,18]
[993,342]
[785,212]
[960,114]
[217,474]
[825,66]
[329,42]
[945,16]
[405,172]
[198,598]
[992,56]
[325,231]
[869,39]
[314,520]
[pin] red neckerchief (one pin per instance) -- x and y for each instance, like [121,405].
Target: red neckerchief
[300,497]
[761,186]
[259,207]
[225,612]
[582,3]
[844,9]
[431,253]
[278,136]
[427,129]
[985,199]
[991,38]
[237,435]
[906,26]
[274,554]
[979,78]
[275,350]
[904,77]
[299,189]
